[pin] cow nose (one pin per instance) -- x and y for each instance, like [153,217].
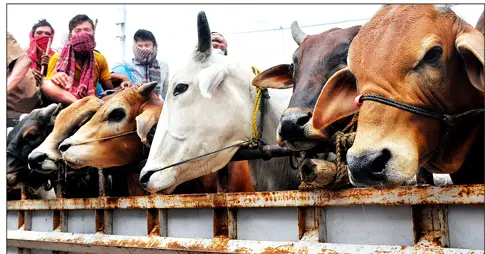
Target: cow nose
[369,167]
[292,124]
[36,159]
[145,178]
[64,146]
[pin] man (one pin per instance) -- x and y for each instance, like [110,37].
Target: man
[74,72]
[145,67]
[22,91]
[219,43]
[40,35]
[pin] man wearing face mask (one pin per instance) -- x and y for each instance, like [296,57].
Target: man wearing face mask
[39,36]
[145,67]
[219,43]
[74,72]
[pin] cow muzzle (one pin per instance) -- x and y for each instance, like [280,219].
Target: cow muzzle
[40,162]
[156,181]
[295,130]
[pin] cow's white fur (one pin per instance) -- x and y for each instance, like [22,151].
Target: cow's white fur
[213,113]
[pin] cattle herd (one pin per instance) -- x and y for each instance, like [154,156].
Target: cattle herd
[365,106]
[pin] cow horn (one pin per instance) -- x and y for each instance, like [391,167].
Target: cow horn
[297,33]
[48,111]
[146,88]
[204,33]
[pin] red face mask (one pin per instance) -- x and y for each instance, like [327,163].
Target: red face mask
[83,42]
[42,41]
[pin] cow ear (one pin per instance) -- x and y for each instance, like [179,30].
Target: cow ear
[336,99]
[470,47]
[210,77]
[150,113]
[146,89]
[279,76]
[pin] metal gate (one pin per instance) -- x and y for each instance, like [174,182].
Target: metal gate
[315,218]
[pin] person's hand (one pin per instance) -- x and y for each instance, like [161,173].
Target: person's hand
[126,84]
[44,60]
[60,79]
[38,77]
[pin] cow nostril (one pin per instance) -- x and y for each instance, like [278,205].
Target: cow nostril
[144,179]
[380,161]
[64,147]
[304,119]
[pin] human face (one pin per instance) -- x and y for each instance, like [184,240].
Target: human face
[145,44]
[83,27]
[42,30]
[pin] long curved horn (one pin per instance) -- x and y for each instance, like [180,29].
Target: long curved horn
[297,33]
[204,33]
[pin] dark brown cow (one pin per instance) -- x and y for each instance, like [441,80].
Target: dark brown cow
[423,56]
[21,140]
[316,59]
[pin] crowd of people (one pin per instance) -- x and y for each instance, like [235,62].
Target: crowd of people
[39,76]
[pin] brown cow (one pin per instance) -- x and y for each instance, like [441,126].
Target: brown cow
[423,56]
[109,140]
[316,59]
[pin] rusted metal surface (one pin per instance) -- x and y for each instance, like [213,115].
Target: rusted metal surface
[153,222]
[408,195]
[24,220]
[430,222]
[96,243]
[103,216]
[267,152]
[311,224]
[225,222]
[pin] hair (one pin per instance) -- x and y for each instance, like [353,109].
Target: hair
[40,23]
[145,35]
[78,19]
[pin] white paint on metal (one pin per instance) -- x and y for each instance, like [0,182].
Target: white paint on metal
[267,224]
[42,221]
[12,220]
[370,224]
[465,224]
[193,223]
[81,221]
[130,222]
[99,243]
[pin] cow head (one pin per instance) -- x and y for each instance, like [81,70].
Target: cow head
[109,138]
[22,139]
[316,59]
[208,106]
[424,56]
[46,157]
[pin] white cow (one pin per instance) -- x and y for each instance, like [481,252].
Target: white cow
[208,107]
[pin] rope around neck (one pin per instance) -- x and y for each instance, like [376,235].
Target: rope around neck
[106,138]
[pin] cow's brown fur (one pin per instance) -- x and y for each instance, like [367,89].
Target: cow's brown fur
[384,60]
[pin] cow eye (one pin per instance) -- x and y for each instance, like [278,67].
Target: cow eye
[116,115]
[180,88]
[31,136]
[433,56]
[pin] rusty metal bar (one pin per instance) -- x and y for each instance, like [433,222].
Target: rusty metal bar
[113,244]
[24,220]
[267,152]
[59,220]
[407,195]
[311,224]
[224,219]
[153,222]
[103,215]
[430,222]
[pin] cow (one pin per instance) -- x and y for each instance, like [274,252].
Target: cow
[21,140]
[410,56]
[315,60]
[209,107]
